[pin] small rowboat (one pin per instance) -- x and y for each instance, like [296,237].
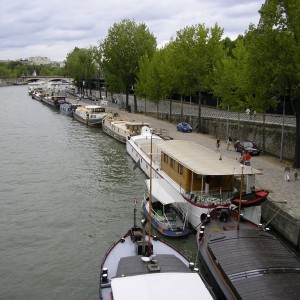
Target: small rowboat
[251,199]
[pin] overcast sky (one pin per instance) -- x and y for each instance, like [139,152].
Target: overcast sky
[53,28]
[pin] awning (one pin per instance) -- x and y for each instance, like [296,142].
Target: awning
[164,192]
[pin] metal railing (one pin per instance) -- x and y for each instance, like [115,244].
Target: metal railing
[191,109]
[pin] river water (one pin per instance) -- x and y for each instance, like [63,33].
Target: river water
[66,193]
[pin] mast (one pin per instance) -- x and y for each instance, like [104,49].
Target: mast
[150,203]
[240,202]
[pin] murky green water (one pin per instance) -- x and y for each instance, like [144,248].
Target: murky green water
[66,194]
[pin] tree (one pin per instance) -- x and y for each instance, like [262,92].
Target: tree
[81,66]
[198,52]
[123,47]
[275,55]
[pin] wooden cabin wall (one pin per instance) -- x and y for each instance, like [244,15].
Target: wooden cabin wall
[171,168]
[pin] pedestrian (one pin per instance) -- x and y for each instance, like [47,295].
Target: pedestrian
[218,144]
[287,171]
[228,142]
[296,174]
[247,159]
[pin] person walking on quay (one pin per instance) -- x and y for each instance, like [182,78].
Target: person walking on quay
[228,142]
[287,171]
[218,144]
[296,174]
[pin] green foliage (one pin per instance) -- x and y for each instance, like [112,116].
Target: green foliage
[122,50]
[16,69]
[81,66]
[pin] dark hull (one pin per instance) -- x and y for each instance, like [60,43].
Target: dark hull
[251,199]
[53,103]
[248,263]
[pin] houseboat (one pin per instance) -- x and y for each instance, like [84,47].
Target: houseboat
[142,266]
[68,108]
[91,115]
[54,101]
[120,129]
[36,86]
[242,260]
[203,177]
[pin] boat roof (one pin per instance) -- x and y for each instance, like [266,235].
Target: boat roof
[164,192]
[168,286]
[135,283]
[202,160]
[134,123]
[93,106]
[257,264]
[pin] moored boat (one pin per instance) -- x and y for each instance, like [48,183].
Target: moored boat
[37,95]
[140,266]
[53,101]
[36,86]
[166,215]
[203,177]
[91,115]
[120,129]
[250,199]
[68,108]
[242,260]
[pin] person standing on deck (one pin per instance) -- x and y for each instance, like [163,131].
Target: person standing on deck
[247,159]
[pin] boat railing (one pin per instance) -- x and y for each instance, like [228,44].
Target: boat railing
[214,196]
[183,212]
[164,218]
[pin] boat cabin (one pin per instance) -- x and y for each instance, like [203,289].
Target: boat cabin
[199,170]
[95,109]
[135,127]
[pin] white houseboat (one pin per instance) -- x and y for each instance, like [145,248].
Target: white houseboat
[203,177]
[120,129]
[91,115]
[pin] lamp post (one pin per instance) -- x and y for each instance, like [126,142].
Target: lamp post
[190,120]
[282,129]
[241,192]
[227,125]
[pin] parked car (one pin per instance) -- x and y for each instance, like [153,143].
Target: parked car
[184,127]
[93,98]
[243,146]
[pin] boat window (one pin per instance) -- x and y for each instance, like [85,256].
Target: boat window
[172,163]
[180,169]
[165,158]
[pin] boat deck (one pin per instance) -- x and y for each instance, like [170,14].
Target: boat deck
[133,265]
[254,264]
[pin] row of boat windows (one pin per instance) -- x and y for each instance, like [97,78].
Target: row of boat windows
[173,163]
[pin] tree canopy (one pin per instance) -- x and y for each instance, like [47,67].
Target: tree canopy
[122,50]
